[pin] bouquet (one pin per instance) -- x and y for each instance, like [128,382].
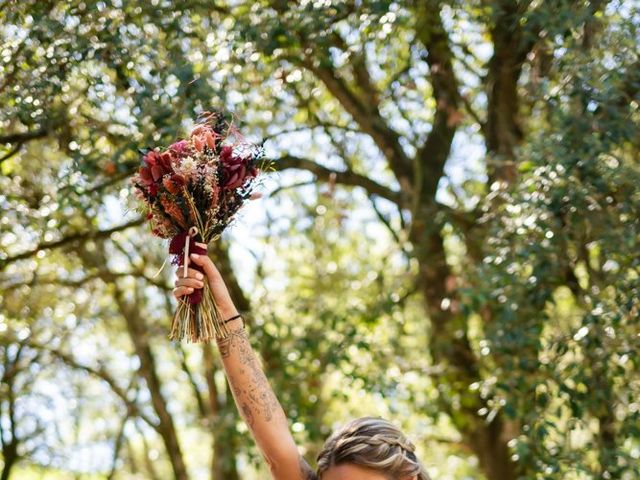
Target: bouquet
[190,193]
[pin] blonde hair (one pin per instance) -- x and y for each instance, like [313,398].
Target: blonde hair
[373,443]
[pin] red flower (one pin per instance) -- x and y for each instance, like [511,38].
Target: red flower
[174,183]
[235,169]
[145,176]
[151,158]
[166,161]
[225,153]
[159,164]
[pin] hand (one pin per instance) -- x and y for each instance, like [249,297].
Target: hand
[194,279]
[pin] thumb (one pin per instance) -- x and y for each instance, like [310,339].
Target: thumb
[218,288]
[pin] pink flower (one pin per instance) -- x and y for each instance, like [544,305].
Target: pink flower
[199,130]
[210,140]
[180,148]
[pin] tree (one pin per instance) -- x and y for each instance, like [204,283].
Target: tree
[337,58]
[382,97]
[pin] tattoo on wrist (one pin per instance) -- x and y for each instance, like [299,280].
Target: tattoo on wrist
[225,344]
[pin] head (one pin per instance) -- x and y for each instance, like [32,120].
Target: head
[369,449]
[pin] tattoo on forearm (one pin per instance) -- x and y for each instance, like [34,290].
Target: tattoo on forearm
[253,392]
[248,414]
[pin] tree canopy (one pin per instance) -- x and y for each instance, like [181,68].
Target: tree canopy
[450,239]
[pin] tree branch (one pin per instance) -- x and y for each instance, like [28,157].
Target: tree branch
[358,63]
[76,237]
[24,136]
[434,152]
[345,177]
[11,152]
[52,280]
[511,44]
[369,120]
[202,410]
[102,374]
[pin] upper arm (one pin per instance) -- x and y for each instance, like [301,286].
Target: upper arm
[291,468]
[261,410]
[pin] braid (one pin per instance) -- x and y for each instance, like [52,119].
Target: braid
[374,443]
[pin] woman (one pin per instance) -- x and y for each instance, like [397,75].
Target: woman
[364,449]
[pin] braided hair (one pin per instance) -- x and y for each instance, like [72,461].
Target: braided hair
[373,443]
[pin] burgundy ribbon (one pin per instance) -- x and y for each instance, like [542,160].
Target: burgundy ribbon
[177,248]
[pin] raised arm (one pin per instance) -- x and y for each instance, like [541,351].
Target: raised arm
[253,395]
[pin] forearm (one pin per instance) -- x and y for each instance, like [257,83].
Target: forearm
[254,398]
[258,405]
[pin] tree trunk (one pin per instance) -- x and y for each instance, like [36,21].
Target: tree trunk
[450,348]
[490,446]
[222,424]
[139,334]
[140,337]
[10,448]
[503,131]
[10,458]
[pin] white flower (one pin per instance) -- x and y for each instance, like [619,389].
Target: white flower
[187,167]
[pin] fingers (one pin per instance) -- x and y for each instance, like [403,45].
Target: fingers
[181,291]
[218,288]
[207,265]
[189,282]
[187,285]
[191,273]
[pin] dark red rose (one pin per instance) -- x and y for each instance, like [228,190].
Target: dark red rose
[236,172]
[226,153]
[166,161]
[156,173]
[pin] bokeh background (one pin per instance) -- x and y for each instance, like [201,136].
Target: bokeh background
[450,238]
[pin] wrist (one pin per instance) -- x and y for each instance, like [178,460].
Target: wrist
[234,324]
[227,310]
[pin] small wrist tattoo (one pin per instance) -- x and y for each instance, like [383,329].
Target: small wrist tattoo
[226,343]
